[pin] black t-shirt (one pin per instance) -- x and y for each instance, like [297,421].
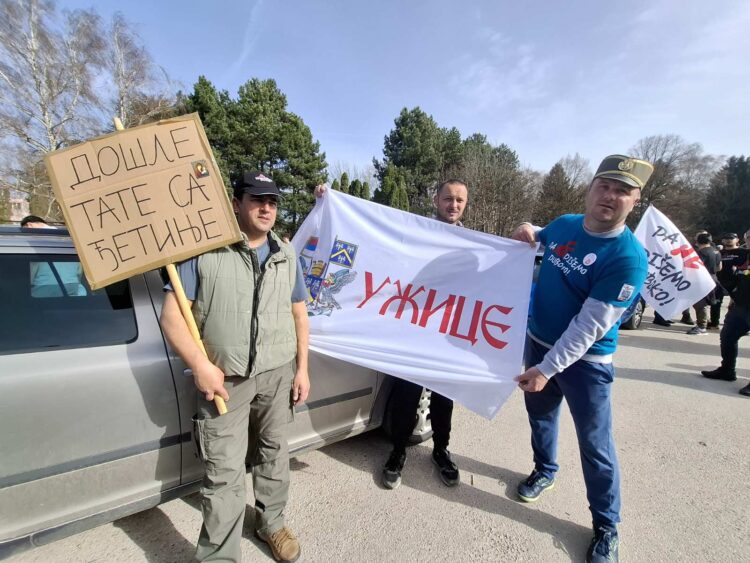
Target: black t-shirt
[731,258]
[710,257]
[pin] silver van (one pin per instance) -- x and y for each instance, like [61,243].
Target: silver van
[96,407]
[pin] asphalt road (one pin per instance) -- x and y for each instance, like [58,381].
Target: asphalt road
[683,448]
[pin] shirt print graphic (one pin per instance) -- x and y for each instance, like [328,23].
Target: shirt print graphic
[561,257]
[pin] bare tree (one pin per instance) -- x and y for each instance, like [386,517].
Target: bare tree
[501,194]
[54,90]
[681,177]
[142,91]
[47,99]
[363,174]
[578,170]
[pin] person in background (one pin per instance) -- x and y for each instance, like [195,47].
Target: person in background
[736,325]
[35,222]
[661,321]
[732,257]
[712,261]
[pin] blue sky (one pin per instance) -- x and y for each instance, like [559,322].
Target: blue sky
[547,78]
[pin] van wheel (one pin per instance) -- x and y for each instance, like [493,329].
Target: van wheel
[422,424]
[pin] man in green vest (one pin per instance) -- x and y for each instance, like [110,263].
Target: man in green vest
[248,300]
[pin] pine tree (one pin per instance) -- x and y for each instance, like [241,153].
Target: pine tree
[213,108]
[336,186]
[728,200]
[257,132]
[400,197]
[355,188]
[365,191]
[422,151]
[557,196]
[388,184]
[345,183]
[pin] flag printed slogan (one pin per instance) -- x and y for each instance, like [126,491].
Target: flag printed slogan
[676,277]
[439,305]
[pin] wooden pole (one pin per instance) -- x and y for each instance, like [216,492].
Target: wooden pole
[182,301]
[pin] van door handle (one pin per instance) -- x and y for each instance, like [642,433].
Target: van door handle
[187,372]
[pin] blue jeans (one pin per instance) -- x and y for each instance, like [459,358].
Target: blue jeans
[587,388]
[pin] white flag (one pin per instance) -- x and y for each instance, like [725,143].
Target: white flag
[436,304]
[676,277]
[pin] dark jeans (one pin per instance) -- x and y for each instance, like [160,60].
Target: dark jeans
[586,386]
[736,325]
[716,306]
[405,399]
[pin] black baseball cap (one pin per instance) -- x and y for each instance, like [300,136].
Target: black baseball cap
[257,183]
[729,236]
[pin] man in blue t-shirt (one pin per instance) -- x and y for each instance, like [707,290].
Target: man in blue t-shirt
[592,269]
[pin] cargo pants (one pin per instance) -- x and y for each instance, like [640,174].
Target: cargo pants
[254,430]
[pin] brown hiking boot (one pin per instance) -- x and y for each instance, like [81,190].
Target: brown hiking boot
[284,545]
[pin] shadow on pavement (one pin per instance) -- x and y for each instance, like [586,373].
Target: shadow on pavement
[154,533]
[369,451]
[693,380]
[193,500]
[690,344]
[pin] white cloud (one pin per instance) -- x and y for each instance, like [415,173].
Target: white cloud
[673,67]
[502,75]
[249,39]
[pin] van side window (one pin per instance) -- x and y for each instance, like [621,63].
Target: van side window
[46,304]
[56,278]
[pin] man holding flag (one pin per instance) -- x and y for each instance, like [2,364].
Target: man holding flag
[593,268]
[450,202]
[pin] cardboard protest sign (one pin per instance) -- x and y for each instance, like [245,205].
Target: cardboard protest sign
[676,277]
[142,198]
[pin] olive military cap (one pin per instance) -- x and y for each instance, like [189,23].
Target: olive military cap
[631,171]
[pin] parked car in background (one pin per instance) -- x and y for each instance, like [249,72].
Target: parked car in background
[97,408]
[633,315]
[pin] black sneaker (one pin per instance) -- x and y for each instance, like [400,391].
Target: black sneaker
[393,468]
[603,547]
[686,320]
[745,390]
[536,483]
[720,373]
[662,322]
[447,469]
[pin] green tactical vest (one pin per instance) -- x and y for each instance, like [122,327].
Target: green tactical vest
[244,314]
